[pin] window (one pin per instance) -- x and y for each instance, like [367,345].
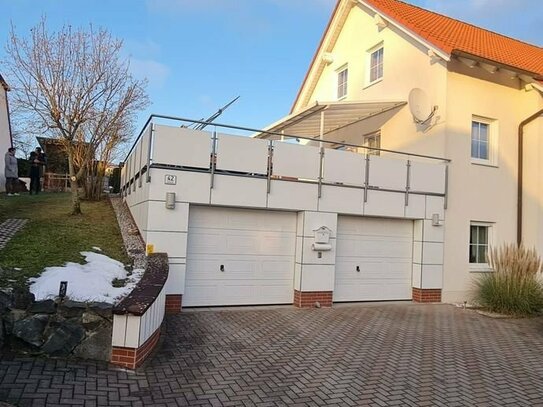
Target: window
[373,141]
[342,82]
[479,140]
[376,64]
[479,242]
[483,141]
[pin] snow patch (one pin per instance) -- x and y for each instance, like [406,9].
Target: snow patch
[96,248]
[86,282]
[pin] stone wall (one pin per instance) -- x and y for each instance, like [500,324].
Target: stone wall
[55,328]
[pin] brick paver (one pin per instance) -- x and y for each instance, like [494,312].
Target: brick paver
[8,228]
[360,355]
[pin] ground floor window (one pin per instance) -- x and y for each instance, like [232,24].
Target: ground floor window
[479,242]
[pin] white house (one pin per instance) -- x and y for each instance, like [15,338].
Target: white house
[5,129]
[405,171]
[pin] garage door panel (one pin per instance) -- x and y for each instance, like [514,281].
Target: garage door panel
[241,219]
[378,227]
[367,247]
[256,249]
[240,242]
[382,249]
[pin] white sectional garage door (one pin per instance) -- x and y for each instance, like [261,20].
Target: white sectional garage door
[239,257]
[374,259]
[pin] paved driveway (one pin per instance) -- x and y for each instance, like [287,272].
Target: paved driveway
[377,355]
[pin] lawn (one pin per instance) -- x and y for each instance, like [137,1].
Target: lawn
[52,236]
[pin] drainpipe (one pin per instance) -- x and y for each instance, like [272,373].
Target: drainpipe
[520,167]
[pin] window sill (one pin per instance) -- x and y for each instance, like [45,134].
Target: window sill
[480,268]
[483,163]
[342,98]
[373,83]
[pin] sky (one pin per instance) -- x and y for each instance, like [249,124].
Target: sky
[199,54]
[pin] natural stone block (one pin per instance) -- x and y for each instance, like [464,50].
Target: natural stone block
[97,345]
[64,338]
[30,330]
[22,298]
[44,307]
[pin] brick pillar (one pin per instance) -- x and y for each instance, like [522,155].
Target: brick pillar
[173,303]
[308,299]
[428,295]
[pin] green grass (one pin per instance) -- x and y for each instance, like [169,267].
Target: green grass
[53,237]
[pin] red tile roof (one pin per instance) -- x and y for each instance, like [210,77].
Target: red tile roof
[451,35]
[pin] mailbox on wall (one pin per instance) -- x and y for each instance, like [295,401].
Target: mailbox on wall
[322,239]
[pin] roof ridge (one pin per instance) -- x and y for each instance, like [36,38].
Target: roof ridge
[467,23]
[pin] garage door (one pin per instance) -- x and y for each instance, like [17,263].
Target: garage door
[374,259]
[239,257]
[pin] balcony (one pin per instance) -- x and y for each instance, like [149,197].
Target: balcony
[214,168]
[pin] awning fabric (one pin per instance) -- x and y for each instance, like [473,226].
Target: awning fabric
[307,123]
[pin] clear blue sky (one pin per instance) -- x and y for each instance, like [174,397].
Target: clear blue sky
[199,54]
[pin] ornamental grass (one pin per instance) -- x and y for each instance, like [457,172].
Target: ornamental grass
[514,286]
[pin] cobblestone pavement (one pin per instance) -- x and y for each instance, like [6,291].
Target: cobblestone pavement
[359,355]
[8,228]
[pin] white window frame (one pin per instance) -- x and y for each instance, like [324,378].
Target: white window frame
[492,124]
[481,267]
[366,142]
[344,84]
[369,53]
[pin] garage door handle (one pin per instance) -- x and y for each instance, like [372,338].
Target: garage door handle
[222,267]
[358,268]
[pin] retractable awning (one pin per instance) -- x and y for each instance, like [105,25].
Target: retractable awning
[337,115]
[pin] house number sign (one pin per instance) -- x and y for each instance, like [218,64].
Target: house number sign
[170,179]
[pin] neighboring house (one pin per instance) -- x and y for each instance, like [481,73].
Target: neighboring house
[409,125]
[5,129]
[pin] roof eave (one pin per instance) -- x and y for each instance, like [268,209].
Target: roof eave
[460,53]
[443,54]
[315,60]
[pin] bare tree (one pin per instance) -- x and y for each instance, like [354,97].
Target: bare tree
[75,85]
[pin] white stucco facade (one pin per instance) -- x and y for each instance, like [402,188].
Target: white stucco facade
[398,222]
[477,193]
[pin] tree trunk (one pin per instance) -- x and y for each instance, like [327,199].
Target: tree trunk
[76,201]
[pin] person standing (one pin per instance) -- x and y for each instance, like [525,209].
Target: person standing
[11,172]
[34,173]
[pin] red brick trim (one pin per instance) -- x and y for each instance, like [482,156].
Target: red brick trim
[426,295]
[132,358]
[173,303]
[307,299]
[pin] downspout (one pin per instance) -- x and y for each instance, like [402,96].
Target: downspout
[520,168]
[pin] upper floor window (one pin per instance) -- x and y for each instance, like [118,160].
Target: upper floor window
[372,141]
[483,140]
[376,62]
[342,76]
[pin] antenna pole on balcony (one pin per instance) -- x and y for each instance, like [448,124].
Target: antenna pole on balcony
[206,122]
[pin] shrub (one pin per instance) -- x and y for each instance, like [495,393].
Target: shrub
[514,287]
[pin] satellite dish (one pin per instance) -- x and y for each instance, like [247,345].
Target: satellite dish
[420,107]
